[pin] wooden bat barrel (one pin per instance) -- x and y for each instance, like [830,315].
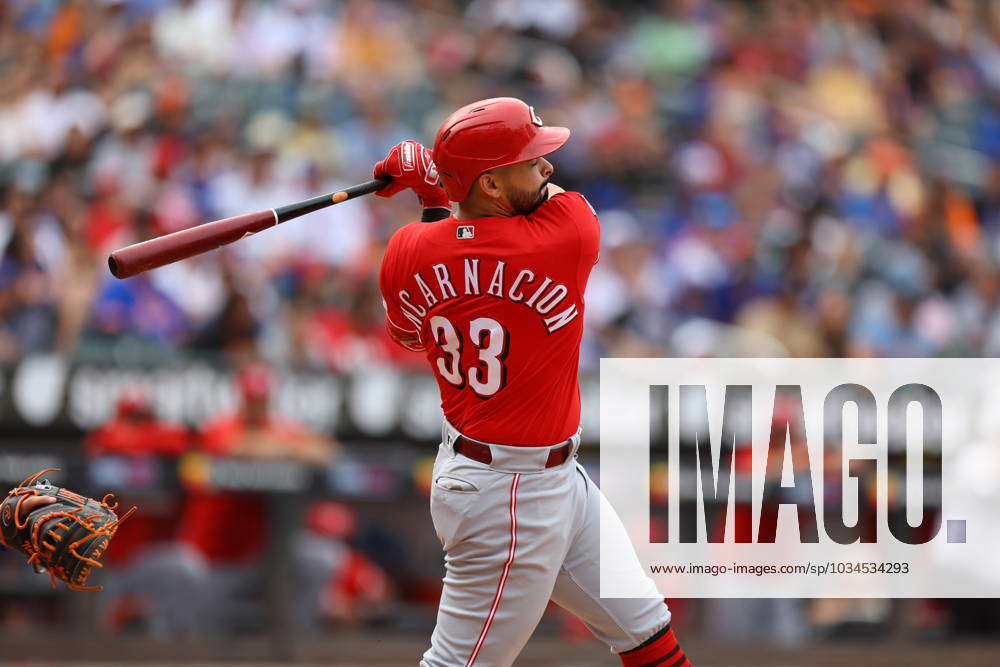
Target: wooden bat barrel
[139,257]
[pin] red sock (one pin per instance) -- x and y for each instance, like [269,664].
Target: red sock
[661,651]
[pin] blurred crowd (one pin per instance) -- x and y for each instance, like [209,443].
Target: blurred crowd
[790,177]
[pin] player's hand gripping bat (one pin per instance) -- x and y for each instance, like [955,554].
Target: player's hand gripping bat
[139,257]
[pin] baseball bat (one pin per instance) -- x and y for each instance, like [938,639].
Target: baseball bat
[138,257]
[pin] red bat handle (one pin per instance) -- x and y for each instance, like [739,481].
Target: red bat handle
[154,253]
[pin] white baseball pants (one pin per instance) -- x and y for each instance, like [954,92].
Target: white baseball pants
[515,535]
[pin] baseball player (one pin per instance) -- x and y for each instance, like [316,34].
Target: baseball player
[493,295]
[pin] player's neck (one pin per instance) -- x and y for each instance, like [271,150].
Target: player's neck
[483,207]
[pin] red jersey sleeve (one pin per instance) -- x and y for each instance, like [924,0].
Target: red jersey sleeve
[401,320]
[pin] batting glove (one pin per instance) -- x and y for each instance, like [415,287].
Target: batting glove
[411,167]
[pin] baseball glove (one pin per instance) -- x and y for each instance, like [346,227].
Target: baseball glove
[66,537]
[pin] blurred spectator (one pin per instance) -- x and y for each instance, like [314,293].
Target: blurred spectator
[30,312]
[136,308]
[234,329]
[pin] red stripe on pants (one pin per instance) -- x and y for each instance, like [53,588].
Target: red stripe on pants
[503,575]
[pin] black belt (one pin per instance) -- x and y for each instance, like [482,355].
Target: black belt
[480,452]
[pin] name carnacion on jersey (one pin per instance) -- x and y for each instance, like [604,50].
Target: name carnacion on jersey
[539,293]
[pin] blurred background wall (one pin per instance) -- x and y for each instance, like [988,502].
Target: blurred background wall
[792,177]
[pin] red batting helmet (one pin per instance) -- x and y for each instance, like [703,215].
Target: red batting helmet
[487,134]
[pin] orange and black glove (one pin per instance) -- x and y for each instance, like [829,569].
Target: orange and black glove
[60,531]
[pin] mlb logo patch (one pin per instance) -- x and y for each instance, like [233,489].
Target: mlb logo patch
[466,232]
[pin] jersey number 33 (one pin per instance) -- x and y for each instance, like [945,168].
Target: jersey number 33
[487,375]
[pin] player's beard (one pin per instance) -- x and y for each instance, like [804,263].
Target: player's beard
[525,202]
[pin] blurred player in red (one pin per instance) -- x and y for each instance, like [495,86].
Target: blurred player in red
[493,297]
[251,433]
[227,553]
[255,433]
[359,589]
[135,437]
[135,432]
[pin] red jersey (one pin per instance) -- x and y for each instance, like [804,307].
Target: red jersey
[499,304]
[207,522]
[157,520]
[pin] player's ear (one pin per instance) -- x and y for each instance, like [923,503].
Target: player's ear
[490,185]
